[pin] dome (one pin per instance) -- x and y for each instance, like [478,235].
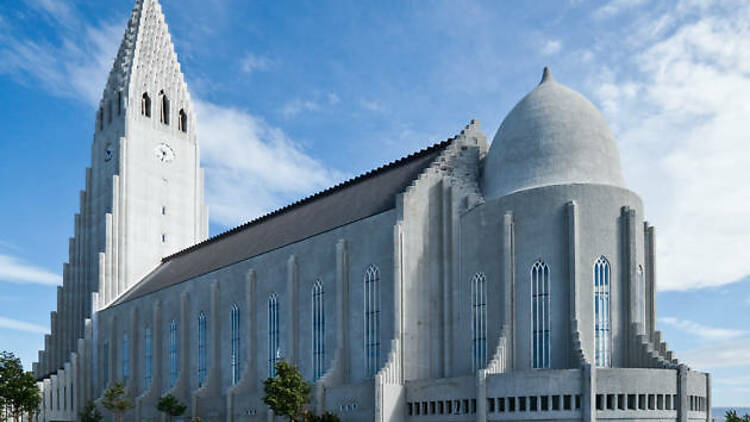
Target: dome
[552,136]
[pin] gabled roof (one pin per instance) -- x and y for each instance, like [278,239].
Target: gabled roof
[361,197]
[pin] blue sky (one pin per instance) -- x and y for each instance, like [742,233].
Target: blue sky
[293,96]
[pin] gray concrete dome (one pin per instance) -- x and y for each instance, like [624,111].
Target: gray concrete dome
[552,136]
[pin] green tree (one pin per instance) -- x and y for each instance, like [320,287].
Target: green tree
[286,393]
[116,401]
[731,416]
[171,406]
[90,413]
[19,392]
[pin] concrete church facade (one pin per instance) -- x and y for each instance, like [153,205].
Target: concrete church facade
[463,282]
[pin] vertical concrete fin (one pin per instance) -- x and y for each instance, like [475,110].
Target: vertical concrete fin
[446,310]
[509,281]
[292,292]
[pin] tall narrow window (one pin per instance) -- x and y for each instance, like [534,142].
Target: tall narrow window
[172,353]
[201,349]
[119,103]
[146,105]
[164,116]
[318,329]
[147,355]
[540,318]
[183,123]
[105,364]
[125,358]
[372,319]
[479,321]
[274,353]
[601,312]
[640,299]
[235,339]
[100,117]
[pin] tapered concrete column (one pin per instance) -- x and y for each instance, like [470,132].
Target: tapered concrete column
[682,394]
[447,277]
[571,216]
[650,275]
[509,282]
[342,304]
[588,393]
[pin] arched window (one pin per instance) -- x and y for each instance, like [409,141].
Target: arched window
[479,321]
[125,358]
[235,339]
[201,349]
[183,122]
[147,355]
[601,312]
[274,353]
[640,298]
[318,329]
[172,353]
[372,319]
[146,105]
[540,318]
[164,116]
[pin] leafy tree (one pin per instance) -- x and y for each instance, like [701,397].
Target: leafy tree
[286,393]
[171,406]
[731,416]
[90,413]
[19,392]
[325,417]
[116,401]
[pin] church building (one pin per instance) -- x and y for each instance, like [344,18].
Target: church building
[467,281]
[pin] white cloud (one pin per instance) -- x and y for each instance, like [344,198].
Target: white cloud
[681,119]
[614,7]
[374,106]
[551,47]
[703,331]
[296,106]
[14,324]
[253,62]
[333,99]
[77,67]
[252,167]
[15,270]
[719,355]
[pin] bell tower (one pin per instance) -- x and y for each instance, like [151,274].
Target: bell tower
[144,189]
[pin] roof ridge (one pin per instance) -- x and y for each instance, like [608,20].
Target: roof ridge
[335,188]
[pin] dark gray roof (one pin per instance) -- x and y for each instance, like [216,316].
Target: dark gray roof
[361,197]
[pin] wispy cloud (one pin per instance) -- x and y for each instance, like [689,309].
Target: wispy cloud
[551,47]
[251,166]
[703,331]
[374,106]
[253,62]
[15,270]
[719,355]
[13,324]
[614,7]
[297,106]
[678,104]
[333,99]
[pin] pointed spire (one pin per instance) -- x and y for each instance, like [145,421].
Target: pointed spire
[546,76]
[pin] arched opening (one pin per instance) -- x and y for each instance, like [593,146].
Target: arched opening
[201,349]
[164,116]
[319,329]
[235,342]
[479,321]
[602,274]
[183,123]
[146,105]
[372,319]
[540,315]
[274,353]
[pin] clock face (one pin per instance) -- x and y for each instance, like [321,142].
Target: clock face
[108,152]
[164,153]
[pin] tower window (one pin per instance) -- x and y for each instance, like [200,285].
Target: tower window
[100,117]
[479,320]
[119,103]
[183,123]
[163,210]
[148,354]
[163,238]
[235,341]
[318,329]
[172,353]
[274,353]
[540,318]
[201,349]
[146,105]
[164,116]
[601,312]
[372,319]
